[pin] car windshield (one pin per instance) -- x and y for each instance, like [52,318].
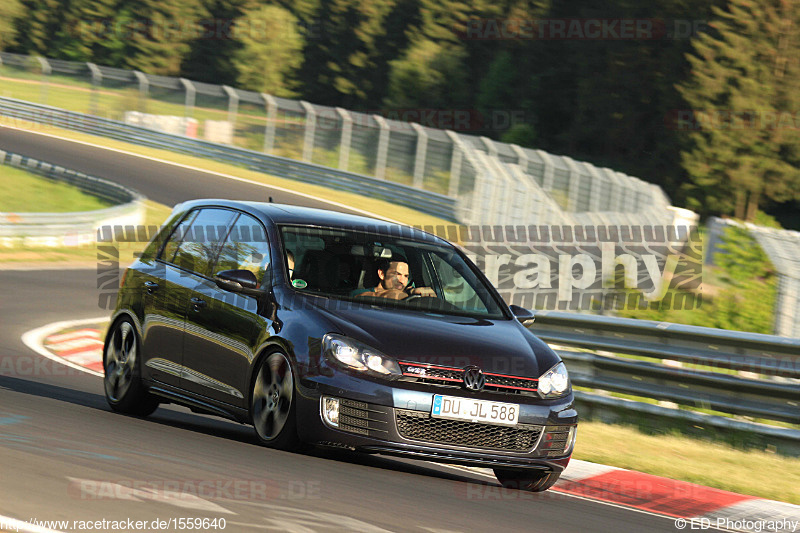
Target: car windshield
[386,270]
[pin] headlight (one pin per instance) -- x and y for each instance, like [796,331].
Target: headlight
[554,382]
[358,356]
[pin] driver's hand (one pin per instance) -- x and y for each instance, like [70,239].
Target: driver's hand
[423,291]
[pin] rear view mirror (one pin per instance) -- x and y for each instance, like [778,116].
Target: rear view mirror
[525,316]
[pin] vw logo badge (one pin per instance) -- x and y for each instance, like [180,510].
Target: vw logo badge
[474,378]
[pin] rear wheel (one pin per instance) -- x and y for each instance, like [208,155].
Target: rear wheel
[124,390]
[530,480]
[272,403]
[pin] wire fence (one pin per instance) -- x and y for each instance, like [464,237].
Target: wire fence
[491,182]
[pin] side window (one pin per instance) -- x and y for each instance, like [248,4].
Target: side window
[201,243]
[175,239]
[246,248]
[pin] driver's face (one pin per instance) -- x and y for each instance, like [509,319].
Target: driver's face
[395,277]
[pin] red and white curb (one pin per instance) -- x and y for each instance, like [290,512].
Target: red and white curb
[691,506]
[75,343]
[79,344]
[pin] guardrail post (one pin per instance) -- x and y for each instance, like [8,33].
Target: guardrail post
[144,88]
[46,71]
[97,79]
[383,147]
[491,149]
[522,157]
[347,135]
[455,165]
[233,108]
[422,150]
[310,129]
[574,184]
[594,188]
[190,94]
[549,170]
[272,117]
[494,206]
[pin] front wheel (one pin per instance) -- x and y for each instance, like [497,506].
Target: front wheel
[529,480]
[272,404]
[124,390]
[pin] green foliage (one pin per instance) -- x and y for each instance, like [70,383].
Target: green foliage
[209,59]
[271,51]
[743,296]
[740,75]
[521,134]
[430,75]
[609,101]
[158,32]
[9,11]
[339,63]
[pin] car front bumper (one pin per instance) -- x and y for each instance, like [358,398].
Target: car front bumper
[393,418]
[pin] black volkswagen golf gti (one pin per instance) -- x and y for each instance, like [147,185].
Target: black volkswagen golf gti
[338,330]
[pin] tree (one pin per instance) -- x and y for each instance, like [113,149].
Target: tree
[744,78]
[9,11]
[340,61]
[209,59]
[429,75]
[271,51]
[39,20]
[432,72]
[158,33]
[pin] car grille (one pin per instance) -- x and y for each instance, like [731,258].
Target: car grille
[454,377]
[362,418]
[555,441]
[420,426]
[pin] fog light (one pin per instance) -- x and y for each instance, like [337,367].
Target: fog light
[573,435]
[330,411]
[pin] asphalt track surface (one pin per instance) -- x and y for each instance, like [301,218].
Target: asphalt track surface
[65,456]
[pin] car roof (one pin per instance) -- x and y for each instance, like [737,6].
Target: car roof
[309,216]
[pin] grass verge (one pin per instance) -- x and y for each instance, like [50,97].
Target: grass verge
[382,208]
[155,214]
[756,473]
[32,193]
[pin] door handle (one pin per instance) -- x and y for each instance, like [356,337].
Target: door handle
[197,303]
[151,286]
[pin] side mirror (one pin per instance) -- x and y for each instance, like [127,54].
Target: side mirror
[242,281]
[525,316]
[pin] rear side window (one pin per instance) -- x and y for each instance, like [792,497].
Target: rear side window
[246,248]
[200,240]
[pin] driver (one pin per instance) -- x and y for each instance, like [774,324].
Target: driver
[393,276]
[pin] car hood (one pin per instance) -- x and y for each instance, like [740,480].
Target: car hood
[501,346]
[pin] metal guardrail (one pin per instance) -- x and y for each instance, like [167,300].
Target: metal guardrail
[425,201]
[47,228]
[747,375]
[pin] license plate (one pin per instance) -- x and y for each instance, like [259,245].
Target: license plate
[471,410]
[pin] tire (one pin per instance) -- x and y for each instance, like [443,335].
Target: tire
[529,480]
[272,403]
[122,381]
